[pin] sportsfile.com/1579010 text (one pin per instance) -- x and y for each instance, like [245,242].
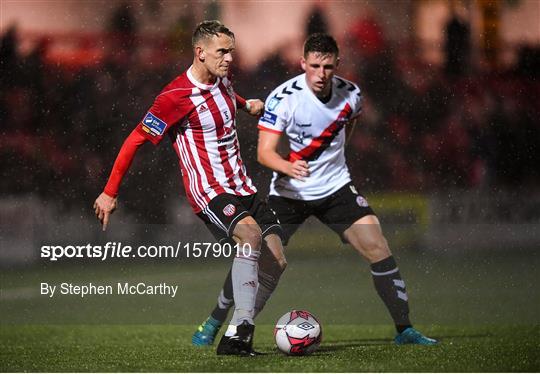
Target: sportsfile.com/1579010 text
[117,250]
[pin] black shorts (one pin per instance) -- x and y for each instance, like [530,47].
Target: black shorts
[338,211]
[225,211]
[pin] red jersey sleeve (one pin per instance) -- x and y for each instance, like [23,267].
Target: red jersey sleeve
[240,101]
[123,162]
[163,114]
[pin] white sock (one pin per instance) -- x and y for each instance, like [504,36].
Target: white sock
[231,331]
[245,283]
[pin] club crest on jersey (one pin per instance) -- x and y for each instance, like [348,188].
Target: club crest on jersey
[153,125]
[229,210]
[361,201]
[300,138]
[273,103]
[269,118]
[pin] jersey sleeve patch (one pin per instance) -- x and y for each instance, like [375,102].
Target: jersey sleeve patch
[153,125]
[268,117]
[273,103]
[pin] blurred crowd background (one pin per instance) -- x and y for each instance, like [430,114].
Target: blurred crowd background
[467,122]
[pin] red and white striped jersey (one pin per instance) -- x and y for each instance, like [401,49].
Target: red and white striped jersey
[200,120]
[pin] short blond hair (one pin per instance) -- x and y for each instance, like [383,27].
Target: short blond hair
[207,29]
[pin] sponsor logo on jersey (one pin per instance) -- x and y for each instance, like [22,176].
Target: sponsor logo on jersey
[273,103]
[153,125]
[229,210]
[202,108]
[361,201]
[250,284]
[303,124]
[269,118]
[227,138]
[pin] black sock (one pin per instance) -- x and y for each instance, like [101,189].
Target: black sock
[391,289]
[269,274]
[225,300]
[401,328]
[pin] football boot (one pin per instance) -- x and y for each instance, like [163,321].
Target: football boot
[240,344]
[206,332]
[413,336]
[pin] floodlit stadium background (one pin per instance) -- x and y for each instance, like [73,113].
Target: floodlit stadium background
[446,151]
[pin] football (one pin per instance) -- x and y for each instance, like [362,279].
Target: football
[298,333]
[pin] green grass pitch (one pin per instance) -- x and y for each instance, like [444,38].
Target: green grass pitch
[483,307]
[345,349]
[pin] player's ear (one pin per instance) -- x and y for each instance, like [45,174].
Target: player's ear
[337,61]
[303,63]
[199,52]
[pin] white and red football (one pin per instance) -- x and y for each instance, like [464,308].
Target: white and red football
[298,333]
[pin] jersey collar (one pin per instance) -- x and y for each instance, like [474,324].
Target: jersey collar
[200,85]
[330,103]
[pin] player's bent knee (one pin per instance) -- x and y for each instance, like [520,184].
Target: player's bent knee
[380,245]
[372,247]
[254,239]
[376,250]
[250,234]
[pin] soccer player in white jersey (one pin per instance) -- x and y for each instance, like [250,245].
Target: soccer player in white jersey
[311,110]
[197,111]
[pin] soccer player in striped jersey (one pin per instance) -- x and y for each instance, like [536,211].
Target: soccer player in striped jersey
[197,111]
[311,110]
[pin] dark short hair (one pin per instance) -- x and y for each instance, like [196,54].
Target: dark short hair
[322,43]
[207,29]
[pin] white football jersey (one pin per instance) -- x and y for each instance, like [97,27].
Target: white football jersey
[316,134]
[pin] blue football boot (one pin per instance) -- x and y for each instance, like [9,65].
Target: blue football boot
[206,332]
[413,336]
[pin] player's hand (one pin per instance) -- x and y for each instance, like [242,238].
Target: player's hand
[104,206]
[299,170]
[256,107]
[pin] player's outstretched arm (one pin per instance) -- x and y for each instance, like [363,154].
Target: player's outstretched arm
[255,107]
[268,156]
[106,202]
